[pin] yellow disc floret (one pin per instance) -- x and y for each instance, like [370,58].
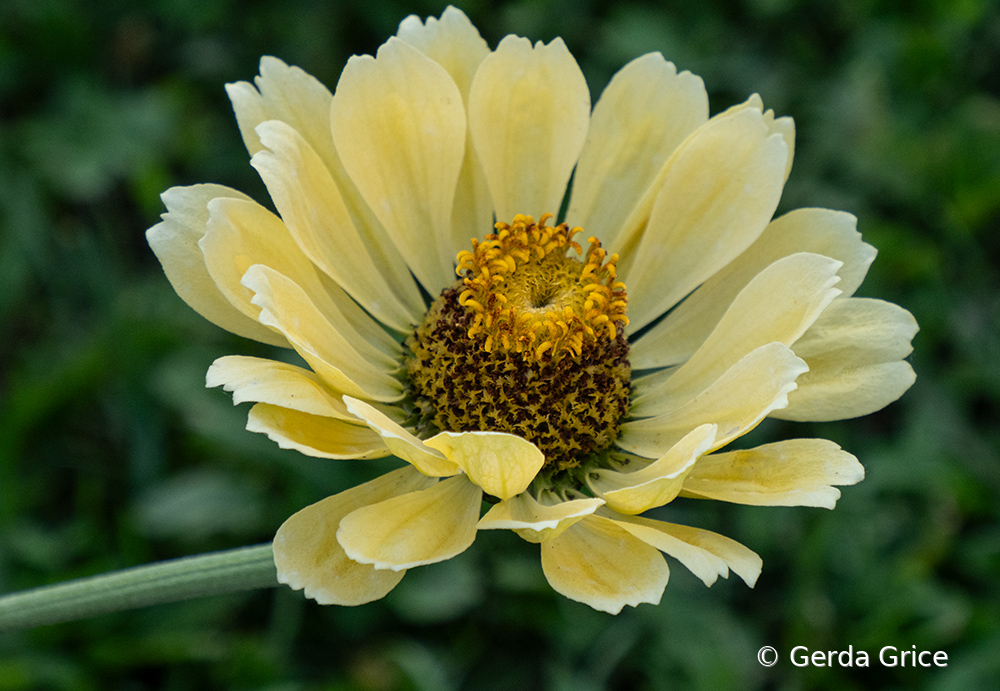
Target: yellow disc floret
[529,341]
[529,297]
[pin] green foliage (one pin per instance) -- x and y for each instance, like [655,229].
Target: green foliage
[113,454]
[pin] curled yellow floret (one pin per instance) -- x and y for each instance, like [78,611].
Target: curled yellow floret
[528,296]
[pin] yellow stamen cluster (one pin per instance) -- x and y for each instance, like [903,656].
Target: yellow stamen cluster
[527,296]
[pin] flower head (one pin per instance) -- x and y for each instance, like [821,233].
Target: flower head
[575,373]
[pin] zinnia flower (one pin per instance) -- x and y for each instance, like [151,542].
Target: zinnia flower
[444,317]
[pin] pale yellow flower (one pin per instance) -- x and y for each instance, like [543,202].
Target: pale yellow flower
[526,382]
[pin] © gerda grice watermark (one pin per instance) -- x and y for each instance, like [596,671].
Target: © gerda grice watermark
[887,656]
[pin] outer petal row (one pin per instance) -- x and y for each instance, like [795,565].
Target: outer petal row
[795,472]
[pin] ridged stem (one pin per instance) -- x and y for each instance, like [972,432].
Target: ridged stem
[229,571]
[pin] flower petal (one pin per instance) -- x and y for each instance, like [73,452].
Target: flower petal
[502,464]
[720,189]
[659,482]
[241,233]
[268,381]
[290,95]
[399,125]
[313,435]
[796,472]
[311,206]
[422,527]
[309,557]
[287,308]
[706,554]
[778,305]
[427,460]
[529,108]
[535,521]
[854,352]
[175,243]
[455,44]
[645,112]
[736,402]
[820,231]
[599,564]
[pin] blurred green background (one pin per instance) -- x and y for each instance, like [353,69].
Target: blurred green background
[112,453]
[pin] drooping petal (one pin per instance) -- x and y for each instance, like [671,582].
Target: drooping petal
[455,44]
[311,206]
[309,558]
[796,472]
[645,112]
[314,435]
[535,521]
[529,108]
[659,482]
[268,381]
[241,233]
[720,189]
[502,464]
[422,527]
[854,352]
[736,402]
[426,459]
[778,305]
[599,564]
[819,231]
[706,554]
[174,241]
[399,125]
[287,308]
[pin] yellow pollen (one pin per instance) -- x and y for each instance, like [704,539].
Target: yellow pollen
[529,297]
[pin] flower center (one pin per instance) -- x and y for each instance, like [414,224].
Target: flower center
[530,341]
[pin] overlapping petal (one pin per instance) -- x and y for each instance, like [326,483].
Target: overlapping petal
[309,557]
[289,95]
[455,44]
[736,402]
[400,128]
[795,472]
[659,482]
[777,306]
[819,231]
[706,554]
[720,189]
[259,380]
[312,208]
[855,354]
[600,564]
[645,112]
[420,527]
[287,308]
[315,435]
[427,459]
[536,521]
[242,233]
[502,464]
[175,242]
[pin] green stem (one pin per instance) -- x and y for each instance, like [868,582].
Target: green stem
[230,571]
